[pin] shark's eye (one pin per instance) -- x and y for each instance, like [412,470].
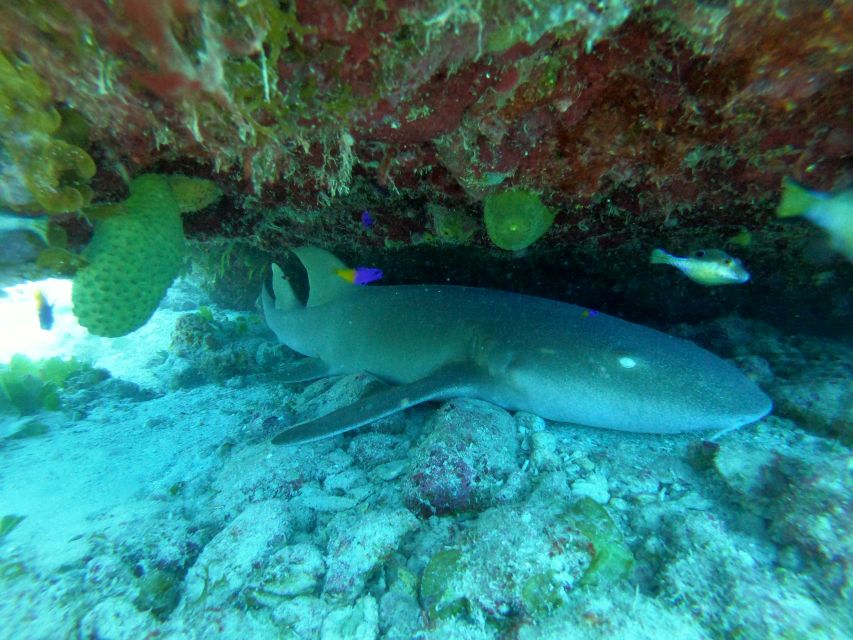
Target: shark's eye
[729,262]
[700,254]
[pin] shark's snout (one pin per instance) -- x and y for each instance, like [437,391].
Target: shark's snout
[687,388]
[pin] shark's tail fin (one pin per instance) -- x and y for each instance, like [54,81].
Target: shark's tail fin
[324,282]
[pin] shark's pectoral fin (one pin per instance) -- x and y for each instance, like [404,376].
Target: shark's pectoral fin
[450,382]
[304,370]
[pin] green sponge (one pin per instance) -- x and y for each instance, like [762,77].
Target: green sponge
[193,194]
[516,218]
[133,258]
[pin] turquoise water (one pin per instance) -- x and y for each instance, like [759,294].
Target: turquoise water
[539,147]
[142,498]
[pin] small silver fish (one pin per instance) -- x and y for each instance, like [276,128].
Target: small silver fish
[832,212]
[709,267]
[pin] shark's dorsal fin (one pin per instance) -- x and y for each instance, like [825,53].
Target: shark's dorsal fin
[324,282]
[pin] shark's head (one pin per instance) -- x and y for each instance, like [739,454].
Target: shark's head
[283,305]
[628,377]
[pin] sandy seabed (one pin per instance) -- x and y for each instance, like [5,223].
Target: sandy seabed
[154,505]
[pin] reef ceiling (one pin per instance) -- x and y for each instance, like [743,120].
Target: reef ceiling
[637,123]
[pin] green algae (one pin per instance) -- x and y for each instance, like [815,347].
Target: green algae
[159,592]
[612,560]
[438,594]
[42,170]
[28,386]
[541,594]
[563,19]
[205,313]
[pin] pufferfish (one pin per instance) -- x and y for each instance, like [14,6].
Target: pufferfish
[710,267]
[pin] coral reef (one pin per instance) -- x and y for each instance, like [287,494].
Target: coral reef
[374,535]
[732,569]
[804,374]
[221,569]
[637,122]
[450,470]
[807,505]
[294,570]
[527,571]
[673,102]
[215,347]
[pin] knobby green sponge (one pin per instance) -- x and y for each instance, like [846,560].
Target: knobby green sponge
[132,259]
[193,194]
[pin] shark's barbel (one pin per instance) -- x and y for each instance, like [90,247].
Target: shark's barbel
[550,358]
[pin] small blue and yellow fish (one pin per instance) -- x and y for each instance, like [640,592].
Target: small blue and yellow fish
[710,267]
[831,212]
[45,311]
[360,275]
[367,220]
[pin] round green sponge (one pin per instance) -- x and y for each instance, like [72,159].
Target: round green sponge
[516,218]
[133,258]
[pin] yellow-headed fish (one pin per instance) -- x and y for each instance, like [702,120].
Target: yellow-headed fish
[360,275]
[707,266]
[831,212]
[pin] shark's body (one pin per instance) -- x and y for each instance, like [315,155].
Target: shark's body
[550,358]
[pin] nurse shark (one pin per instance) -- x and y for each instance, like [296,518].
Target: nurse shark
[553,359]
